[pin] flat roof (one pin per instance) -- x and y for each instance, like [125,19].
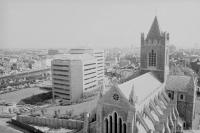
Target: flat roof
[81,57]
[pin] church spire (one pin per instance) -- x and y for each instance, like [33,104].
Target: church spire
[154,32]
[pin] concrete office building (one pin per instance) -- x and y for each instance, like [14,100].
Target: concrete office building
[72,75]
[98,54]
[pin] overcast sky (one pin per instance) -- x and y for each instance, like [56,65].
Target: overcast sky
[101,24]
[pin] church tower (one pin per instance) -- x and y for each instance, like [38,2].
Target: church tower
[154,53]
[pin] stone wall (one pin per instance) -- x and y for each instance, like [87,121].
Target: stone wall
[92,127]
[51,122]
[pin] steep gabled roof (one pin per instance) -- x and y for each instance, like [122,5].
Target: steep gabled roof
[154,32]
[144,86]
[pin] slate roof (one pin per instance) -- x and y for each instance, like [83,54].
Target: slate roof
[144,85]
[178,82]
[154,32]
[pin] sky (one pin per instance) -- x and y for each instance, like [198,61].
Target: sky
[95,23]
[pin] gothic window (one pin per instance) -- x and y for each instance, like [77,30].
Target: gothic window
[124,127]
[120,125]
[106,121]
[110,118]
[115,122]
[181,97]
[152,59]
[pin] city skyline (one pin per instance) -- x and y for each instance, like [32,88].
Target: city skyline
[105,24]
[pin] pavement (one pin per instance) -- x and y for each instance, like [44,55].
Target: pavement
[7,128]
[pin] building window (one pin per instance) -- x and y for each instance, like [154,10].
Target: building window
[152,58]
[106,125]
[181,97]
[171,95]
[184,125]
[124,126]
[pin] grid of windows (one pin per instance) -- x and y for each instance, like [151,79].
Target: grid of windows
[152,58]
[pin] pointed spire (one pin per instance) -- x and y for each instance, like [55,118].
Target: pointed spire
[132,98]
[154,32]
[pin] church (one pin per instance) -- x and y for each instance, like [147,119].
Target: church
[140,105]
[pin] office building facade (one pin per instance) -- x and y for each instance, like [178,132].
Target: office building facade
[72,75]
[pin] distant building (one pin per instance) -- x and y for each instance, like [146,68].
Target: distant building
[52,52]
[195,65]
[72,75]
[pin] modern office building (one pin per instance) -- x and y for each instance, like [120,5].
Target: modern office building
[98,54]
[72,75]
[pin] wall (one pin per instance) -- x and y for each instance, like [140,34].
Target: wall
[51,122]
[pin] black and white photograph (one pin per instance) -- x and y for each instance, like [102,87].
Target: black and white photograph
[99,66]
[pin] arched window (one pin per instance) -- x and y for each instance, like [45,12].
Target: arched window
[169,94]
[181,97]
[110,118]
[152,58]
[106,125]
[120,125]
[115,122]
[124,127]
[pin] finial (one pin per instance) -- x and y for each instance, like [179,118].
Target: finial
[132,97]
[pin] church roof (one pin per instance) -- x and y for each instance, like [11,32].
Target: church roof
[154,32]
[178,82]
[144,85]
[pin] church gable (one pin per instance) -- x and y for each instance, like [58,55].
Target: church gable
[115,97]
[115,101]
